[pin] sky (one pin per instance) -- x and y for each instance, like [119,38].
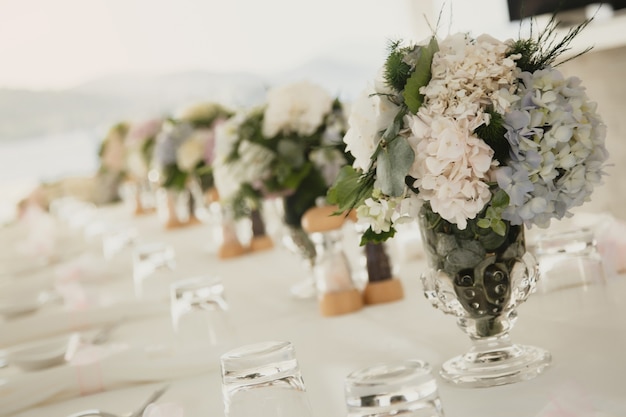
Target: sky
[56,44]
[61,43]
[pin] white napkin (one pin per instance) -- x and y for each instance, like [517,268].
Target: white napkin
[164,410]
[59,322]
[130,366]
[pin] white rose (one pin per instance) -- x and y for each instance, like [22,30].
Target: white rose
[369,116]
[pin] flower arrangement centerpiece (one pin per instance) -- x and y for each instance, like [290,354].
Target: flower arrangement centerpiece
[139,143]
[111,169]
[184,152]
[195,156]
[289,149]
[476,139]
[139,148]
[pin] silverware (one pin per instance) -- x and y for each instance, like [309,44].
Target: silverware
[105,332]
[137,413]
[155,396]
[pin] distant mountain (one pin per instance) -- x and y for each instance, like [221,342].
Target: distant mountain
[108,100]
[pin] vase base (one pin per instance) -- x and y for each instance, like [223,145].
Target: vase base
[508,365]
[304,290]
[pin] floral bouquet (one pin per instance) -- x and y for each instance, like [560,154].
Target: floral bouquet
[184,148]
[290,147]
[477,139]
[477,132]
[196,154]
[111,170]
[287,152]
[139,144]
[137,190]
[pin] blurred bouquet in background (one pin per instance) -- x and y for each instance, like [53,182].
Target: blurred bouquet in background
[195,156]
[139,143]
[112,167]
[291,147]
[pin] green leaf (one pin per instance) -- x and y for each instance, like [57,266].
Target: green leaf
[499,227]
[421,76]
[294,178]
[393,164]
[369,236]
[493,135]
[350,189]
[174,178]
[484,223]
[500,199]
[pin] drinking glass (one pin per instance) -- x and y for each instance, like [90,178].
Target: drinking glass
[153,264]
[263,380]
[406,388]
[116,238]
[200,313]
[568,259]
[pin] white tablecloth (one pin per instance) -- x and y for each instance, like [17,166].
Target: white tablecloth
[585,330]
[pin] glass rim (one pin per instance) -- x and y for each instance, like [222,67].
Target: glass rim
[384,372]
[196,282]
[384,386]
[258,362]
[564,241]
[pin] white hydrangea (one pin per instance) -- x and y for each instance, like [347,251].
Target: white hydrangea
[252,165]
[136,163]
[451,163]
[192,151]
[296,108]
[468,75]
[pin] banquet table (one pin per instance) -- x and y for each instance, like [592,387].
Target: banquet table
[583,328]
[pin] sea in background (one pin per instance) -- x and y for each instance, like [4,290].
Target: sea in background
[25,163]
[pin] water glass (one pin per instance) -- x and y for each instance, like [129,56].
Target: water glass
[200,313]
[406,388]
[568,259]
[263,380]
[116,238]
[153,264]
[173,207]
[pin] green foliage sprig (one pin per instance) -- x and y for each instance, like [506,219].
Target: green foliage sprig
[543,51]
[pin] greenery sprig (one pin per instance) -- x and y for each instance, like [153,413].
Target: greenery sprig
[543,51]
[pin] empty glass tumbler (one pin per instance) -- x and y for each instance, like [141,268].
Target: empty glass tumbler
[405,388]
[263,380]
[568,259]
[153,266]
[200,313]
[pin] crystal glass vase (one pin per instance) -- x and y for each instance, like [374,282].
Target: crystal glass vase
[480,277]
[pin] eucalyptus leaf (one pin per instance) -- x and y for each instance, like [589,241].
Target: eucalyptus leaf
[421,76]
[460,259]
[445,244]
[393,165]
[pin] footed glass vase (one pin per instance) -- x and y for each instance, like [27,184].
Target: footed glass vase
[480,277]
